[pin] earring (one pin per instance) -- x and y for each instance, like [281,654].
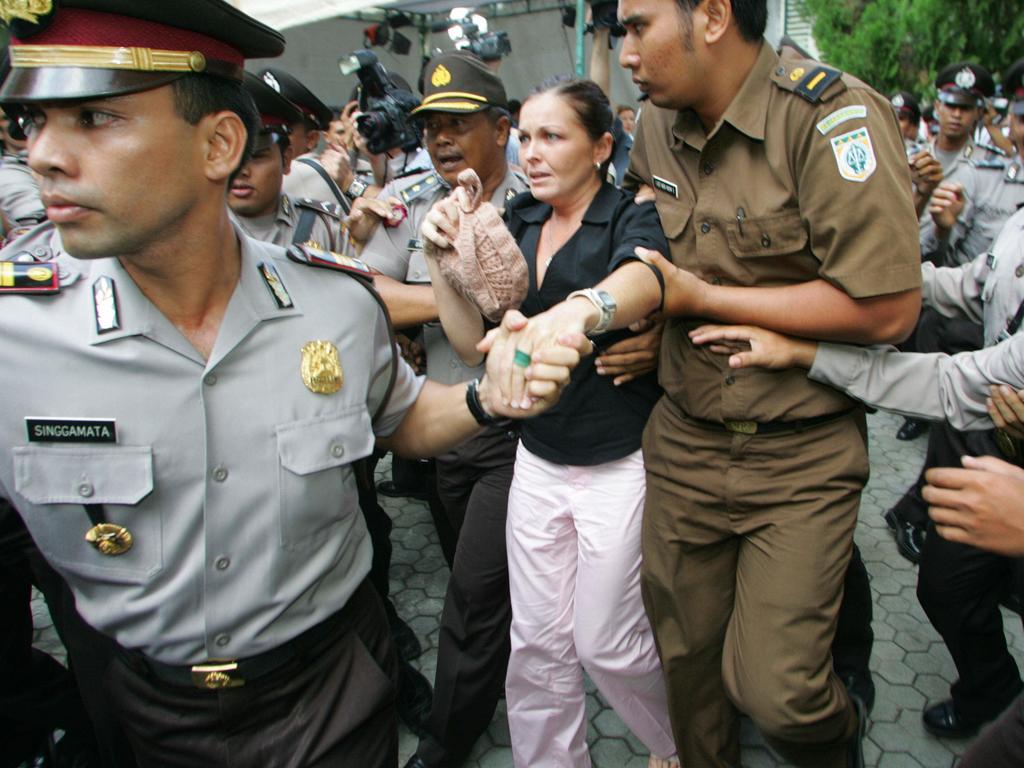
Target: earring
[597,166]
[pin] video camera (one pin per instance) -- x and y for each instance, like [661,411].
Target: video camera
[384,107]
[489,46]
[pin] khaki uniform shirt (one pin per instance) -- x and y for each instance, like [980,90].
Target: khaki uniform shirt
[279,227]
[19,190]
[936,386]
[782,191]
[304,182]
[398,253]
[232,475]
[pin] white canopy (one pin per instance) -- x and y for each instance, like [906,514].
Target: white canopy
[282,14]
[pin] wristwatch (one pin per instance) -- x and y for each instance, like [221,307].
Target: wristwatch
[355,189]
[605,305]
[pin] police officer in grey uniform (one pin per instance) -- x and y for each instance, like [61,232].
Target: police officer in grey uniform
[256,199]
[466,126]
[183,453]
[959,586]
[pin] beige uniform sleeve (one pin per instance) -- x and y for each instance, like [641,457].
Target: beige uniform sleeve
[934,386]
[956,291]
[854,192]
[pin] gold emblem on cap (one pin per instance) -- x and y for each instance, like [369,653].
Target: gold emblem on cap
[111,540]
[321,368]
[797,73]
[197,62]
[26,10]
[441,76]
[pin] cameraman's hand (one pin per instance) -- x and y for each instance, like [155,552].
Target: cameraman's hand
[335,161]
[946,205]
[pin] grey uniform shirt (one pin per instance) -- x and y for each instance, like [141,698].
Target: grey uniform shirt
[936,386]
[233,477]
[993,190]
[279,227]
[19,190]
[398,253]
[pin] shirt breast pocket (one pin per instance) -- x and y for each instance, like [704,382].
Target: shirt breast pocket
[60,480]
[673,214]
[316,482]
[773,248]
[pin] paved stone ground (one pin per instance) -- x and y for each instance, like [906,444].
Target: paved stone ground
[910,663]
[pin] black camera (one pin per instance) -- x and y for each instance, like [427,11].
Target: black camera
[384,107]
[489,46]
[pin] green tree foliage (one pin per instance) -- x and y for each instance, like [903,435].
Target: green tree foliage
[894,44]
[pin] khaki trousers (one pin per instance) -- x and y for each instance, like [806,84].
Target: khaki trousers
[746,541]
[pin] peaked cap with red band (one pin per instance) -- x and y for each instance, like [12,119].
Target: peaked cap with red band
[276,112]
[76,49]
[1013,87]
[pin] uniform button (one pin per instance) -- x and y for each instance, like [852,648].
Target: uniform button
[705,227]
[766,241]
[708,168]
[223,563]
[1019,271]
[222,640]
[337,450]
[85,490]
[220,474]
[780,71]
[41,253]
[210,379]
[729,380]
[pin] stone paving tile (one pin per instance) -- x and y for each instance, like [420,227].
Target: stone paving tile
[910,662]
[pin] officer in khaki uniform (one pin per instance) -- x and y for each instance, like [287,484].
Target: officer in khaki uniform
[784,191]
[256,199]
[182,453]
[466,125]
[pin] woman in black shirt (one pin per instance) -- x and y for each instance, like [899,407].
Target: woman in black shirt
[576,503]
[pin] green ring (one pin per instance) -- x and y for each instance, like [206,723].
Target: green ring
[521,358]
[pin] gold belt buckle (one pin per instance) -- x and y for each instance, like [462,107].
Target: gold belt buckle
[740,427]
[217,674]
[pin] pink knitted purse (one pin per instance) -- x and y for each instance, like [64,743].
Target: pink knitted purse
[485,265]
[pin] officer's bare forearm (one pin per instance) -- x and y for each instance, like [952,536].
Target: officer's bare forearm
[815,310]
[437,422]
[407,304]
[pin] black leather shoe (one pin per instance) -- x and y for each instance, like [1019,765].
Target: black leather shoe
[943,720]
[861,685]
[414,698]
[911,429]
[909,537]
[416,762]
[392,491]
[855,754]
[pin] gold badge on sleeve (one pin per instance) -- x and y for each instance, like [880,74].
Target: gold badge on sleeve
[110,539]
[321,368]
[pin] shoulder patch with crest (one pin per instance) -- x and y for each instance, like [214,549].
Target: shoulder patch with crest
[29,277]
[855,155]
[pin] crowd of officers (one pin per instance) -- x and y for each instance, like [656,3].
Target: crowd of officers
[165,468]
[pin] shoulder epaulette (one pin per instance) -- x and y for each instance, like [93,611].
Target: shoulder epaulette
[419,186]
[807,79]
[314,257]
[320,206]
[993,164]
[994,150]
[29,277]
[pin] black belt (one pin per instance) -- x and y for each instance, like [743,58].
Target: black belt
[738,427]
[217,674]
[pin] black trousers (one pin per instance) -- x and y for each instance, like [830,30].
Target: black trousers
[473,646]
[332,705]
[935,333]
[851,648]
[37,694]
[959,588]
